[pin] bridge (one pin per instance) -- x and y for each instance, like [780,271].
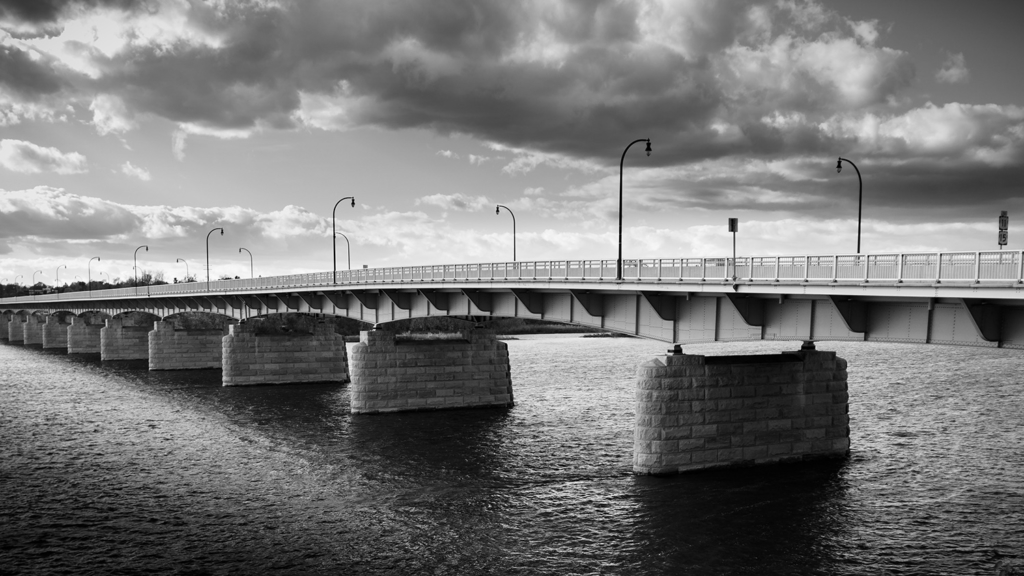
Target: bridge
[693,412]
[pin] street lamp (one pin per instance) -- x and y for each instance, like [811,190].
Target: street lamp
[860,193]
[186,267]
[56,275]
[4,287]
[334,231]
[348,249]
[208,255]
[136,267]
[34,276]
[96,258]
[107,275]
[251,275]
[618,263]
[497,210]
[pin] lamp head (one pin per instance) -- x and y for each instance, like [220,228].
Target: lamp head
[648,147]
[221,231]
[839,166]
[497,210]
[239,250]
[353,202]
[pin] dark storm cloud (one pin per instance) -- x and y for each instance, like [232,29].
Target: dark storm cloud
[46,11]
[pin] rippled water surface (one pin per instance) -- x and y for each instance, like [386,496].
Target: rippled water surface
[106,468]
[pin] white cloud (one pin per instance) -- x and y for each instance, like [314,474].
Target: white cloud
[28,158]
[179,136]
[448,154]
[109,115]
[533,191]
[455,201]
[477,160]
[954,70]
[131,170]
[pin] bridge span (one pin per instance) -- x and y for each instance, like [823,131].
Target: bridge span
[693,412]
[960,298]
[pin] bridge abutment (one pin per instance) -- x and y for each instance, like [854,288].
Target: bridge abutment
[120,342]
[55,333]
[33,331]
[696,412]
[250,358]
[83,338]
[389,376]
[171,349]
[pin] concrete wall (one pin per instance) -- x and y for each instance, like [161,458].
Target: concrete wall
[695,412]
[55,333]
[425,375]
[250,359]
[5,320]
[34,330]
[83,338]
[120,342]
[16,329]
[171,349]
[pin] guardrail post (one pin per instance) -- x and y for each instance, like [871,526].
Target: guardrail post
[867,260]
[899,269]
[977,267]
[776,279]
[938,267]
[659,269]
[807,264]
[1020,267]
[703,269]
[835,268]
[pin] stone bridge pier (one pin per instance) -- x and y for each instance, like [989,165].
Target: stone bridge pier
[5,325]
[55,333]
[390,376]
[171,349]
[698,412]
[83,338]
[120,342]
[33,330]
[250,358]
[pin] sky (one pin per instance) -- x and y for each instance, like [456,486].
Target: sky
[127,123]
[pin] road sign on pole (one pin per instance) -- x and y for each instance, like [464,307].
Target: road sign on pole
[1004,227]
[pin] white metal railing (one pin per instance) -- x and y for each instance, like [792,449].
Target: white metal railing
[934,267]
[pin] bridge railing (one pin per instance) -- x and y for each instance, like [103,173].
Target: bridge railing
[912,268]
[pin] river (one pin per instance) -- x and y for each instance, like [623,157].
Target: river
[107,468]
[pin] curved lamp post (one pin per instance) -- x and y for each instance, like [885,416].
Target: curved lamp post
[186,267]
[348,249]
[618,262]
[136,267]
[334,231]
[107,275]
[208,255]
[56,275]
[4,287]
[18,276]
[96,258]
[251,275]
[497,210]
[860,193]
[34,276]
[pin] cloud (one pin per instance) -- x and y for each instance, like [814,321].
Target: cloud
[110,116]
[537,191]
[180,136]
[29,158]
[448,154]
[455,201]
[136,172]
[954,70]
[478,160]
[556,81]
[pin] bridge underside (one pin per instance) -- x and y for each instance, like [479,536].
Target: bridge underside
[661,314]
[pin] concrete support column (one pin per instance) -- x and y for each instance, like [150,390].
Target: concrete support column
[33,330]
[120,342]
[55,333]
[250,358]
[696,412]
[16,329]
[429,374]
[83,338]
[171,349]
[5,321]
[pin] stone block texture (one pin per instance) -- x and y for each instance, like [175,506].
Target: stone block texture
[429,375]
[171,349]
[16,329]
[695,412]
[250,359]
[5,328]
[119,342]
[83,338]
[34,330]
[55,333]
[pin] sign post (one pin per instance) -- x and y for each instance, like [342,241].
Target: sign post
[734,227]
[1004,227]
